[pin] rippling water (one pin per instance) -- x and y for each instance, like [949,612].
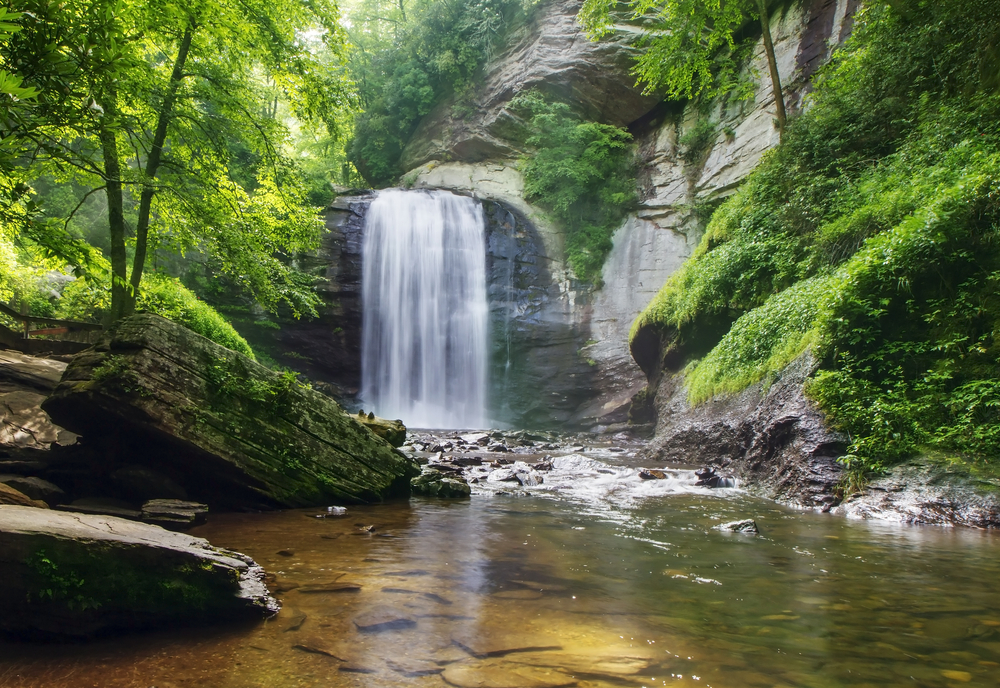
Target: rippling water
[595,578]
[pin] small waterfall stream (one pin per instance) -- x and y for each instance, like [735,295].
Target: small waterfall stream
[425,322]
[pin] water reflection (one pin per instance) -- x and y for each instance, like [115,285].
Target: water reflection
[550,591]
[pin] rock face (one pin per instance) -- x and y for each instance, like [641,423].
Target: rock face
[229,431]
[470,154]
[928,492]
[771,438]
[560,356]
[78,575]
[552,55]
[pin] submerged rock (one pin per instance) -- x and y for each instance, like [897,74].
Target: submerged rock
[747,525]
[77,575]
[230,431]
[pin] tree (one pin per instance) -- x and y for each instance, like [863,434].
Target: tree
[691,45]
[167,108]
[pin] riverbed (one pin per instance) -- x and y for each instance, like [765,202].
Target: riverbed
[594,578]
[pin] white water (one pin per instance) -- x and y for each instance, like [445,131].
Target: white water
[425,321]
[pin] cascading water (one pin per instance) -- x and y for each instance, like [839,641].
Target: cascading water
[424,347]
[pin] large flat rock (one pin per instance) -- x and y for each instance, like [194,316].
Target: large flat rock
[68,574]
[233,433]
[24,383]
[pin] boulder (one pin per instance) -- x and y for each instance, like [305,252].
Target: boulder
[434,483]
[77,575]
[392,431]
[174,514]
[8,495]
[233,433]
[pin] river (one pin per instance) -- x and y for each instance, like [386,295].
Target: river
[595,578]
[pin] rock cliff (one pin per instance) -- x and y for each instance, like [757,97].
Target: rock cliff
[552,333]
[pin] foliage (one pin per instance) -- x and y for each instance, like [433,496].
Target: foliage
[692,47]
[871,235]
[582,172]
[408,57]
[167,297]
[157,106]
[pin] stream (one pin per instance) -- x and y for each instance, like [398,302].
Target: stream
[595,577]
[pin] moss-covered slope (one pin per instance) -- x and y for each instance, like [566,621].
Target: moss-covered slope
[871,235]
[234,433]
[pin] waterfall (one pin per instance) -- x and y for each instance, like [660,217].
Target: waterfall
[424,332]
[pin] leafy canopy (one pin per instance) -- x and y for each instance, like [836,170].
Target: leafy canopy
[691,47]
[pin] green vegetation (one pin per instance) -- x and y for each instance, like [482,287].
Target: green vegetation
[80,579]
[582,172]
[143,129]
[870,235]
[410,56]
[693,48]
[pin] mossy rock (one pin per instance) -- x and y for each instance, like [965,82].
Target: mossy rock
[78,575]
[234,433]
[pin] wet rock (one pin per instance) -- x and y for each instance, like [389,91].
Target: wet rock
[35,488]
[498,448]
[125,575]
[928,491]
[435,483]
[707,477]
[383,619]
[413,668]
[242,436]
[542,466]
[325,588]
[501,674]
[8,495]
[467,460]
[478,438]
[652,474]
[747,525]
[140,483]
[772,438]
[529,478]
[502,475]
[174,514]
[286,553]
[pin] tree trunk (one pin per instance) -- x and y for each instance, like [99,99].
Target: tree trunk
[120,297]
[772,64]
[153,164]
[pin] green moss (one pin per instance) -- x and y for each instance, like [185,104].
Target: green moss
[583,173]
[80,578]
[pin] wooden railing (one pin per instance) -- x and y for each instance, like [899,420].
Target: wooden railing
[55,325]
